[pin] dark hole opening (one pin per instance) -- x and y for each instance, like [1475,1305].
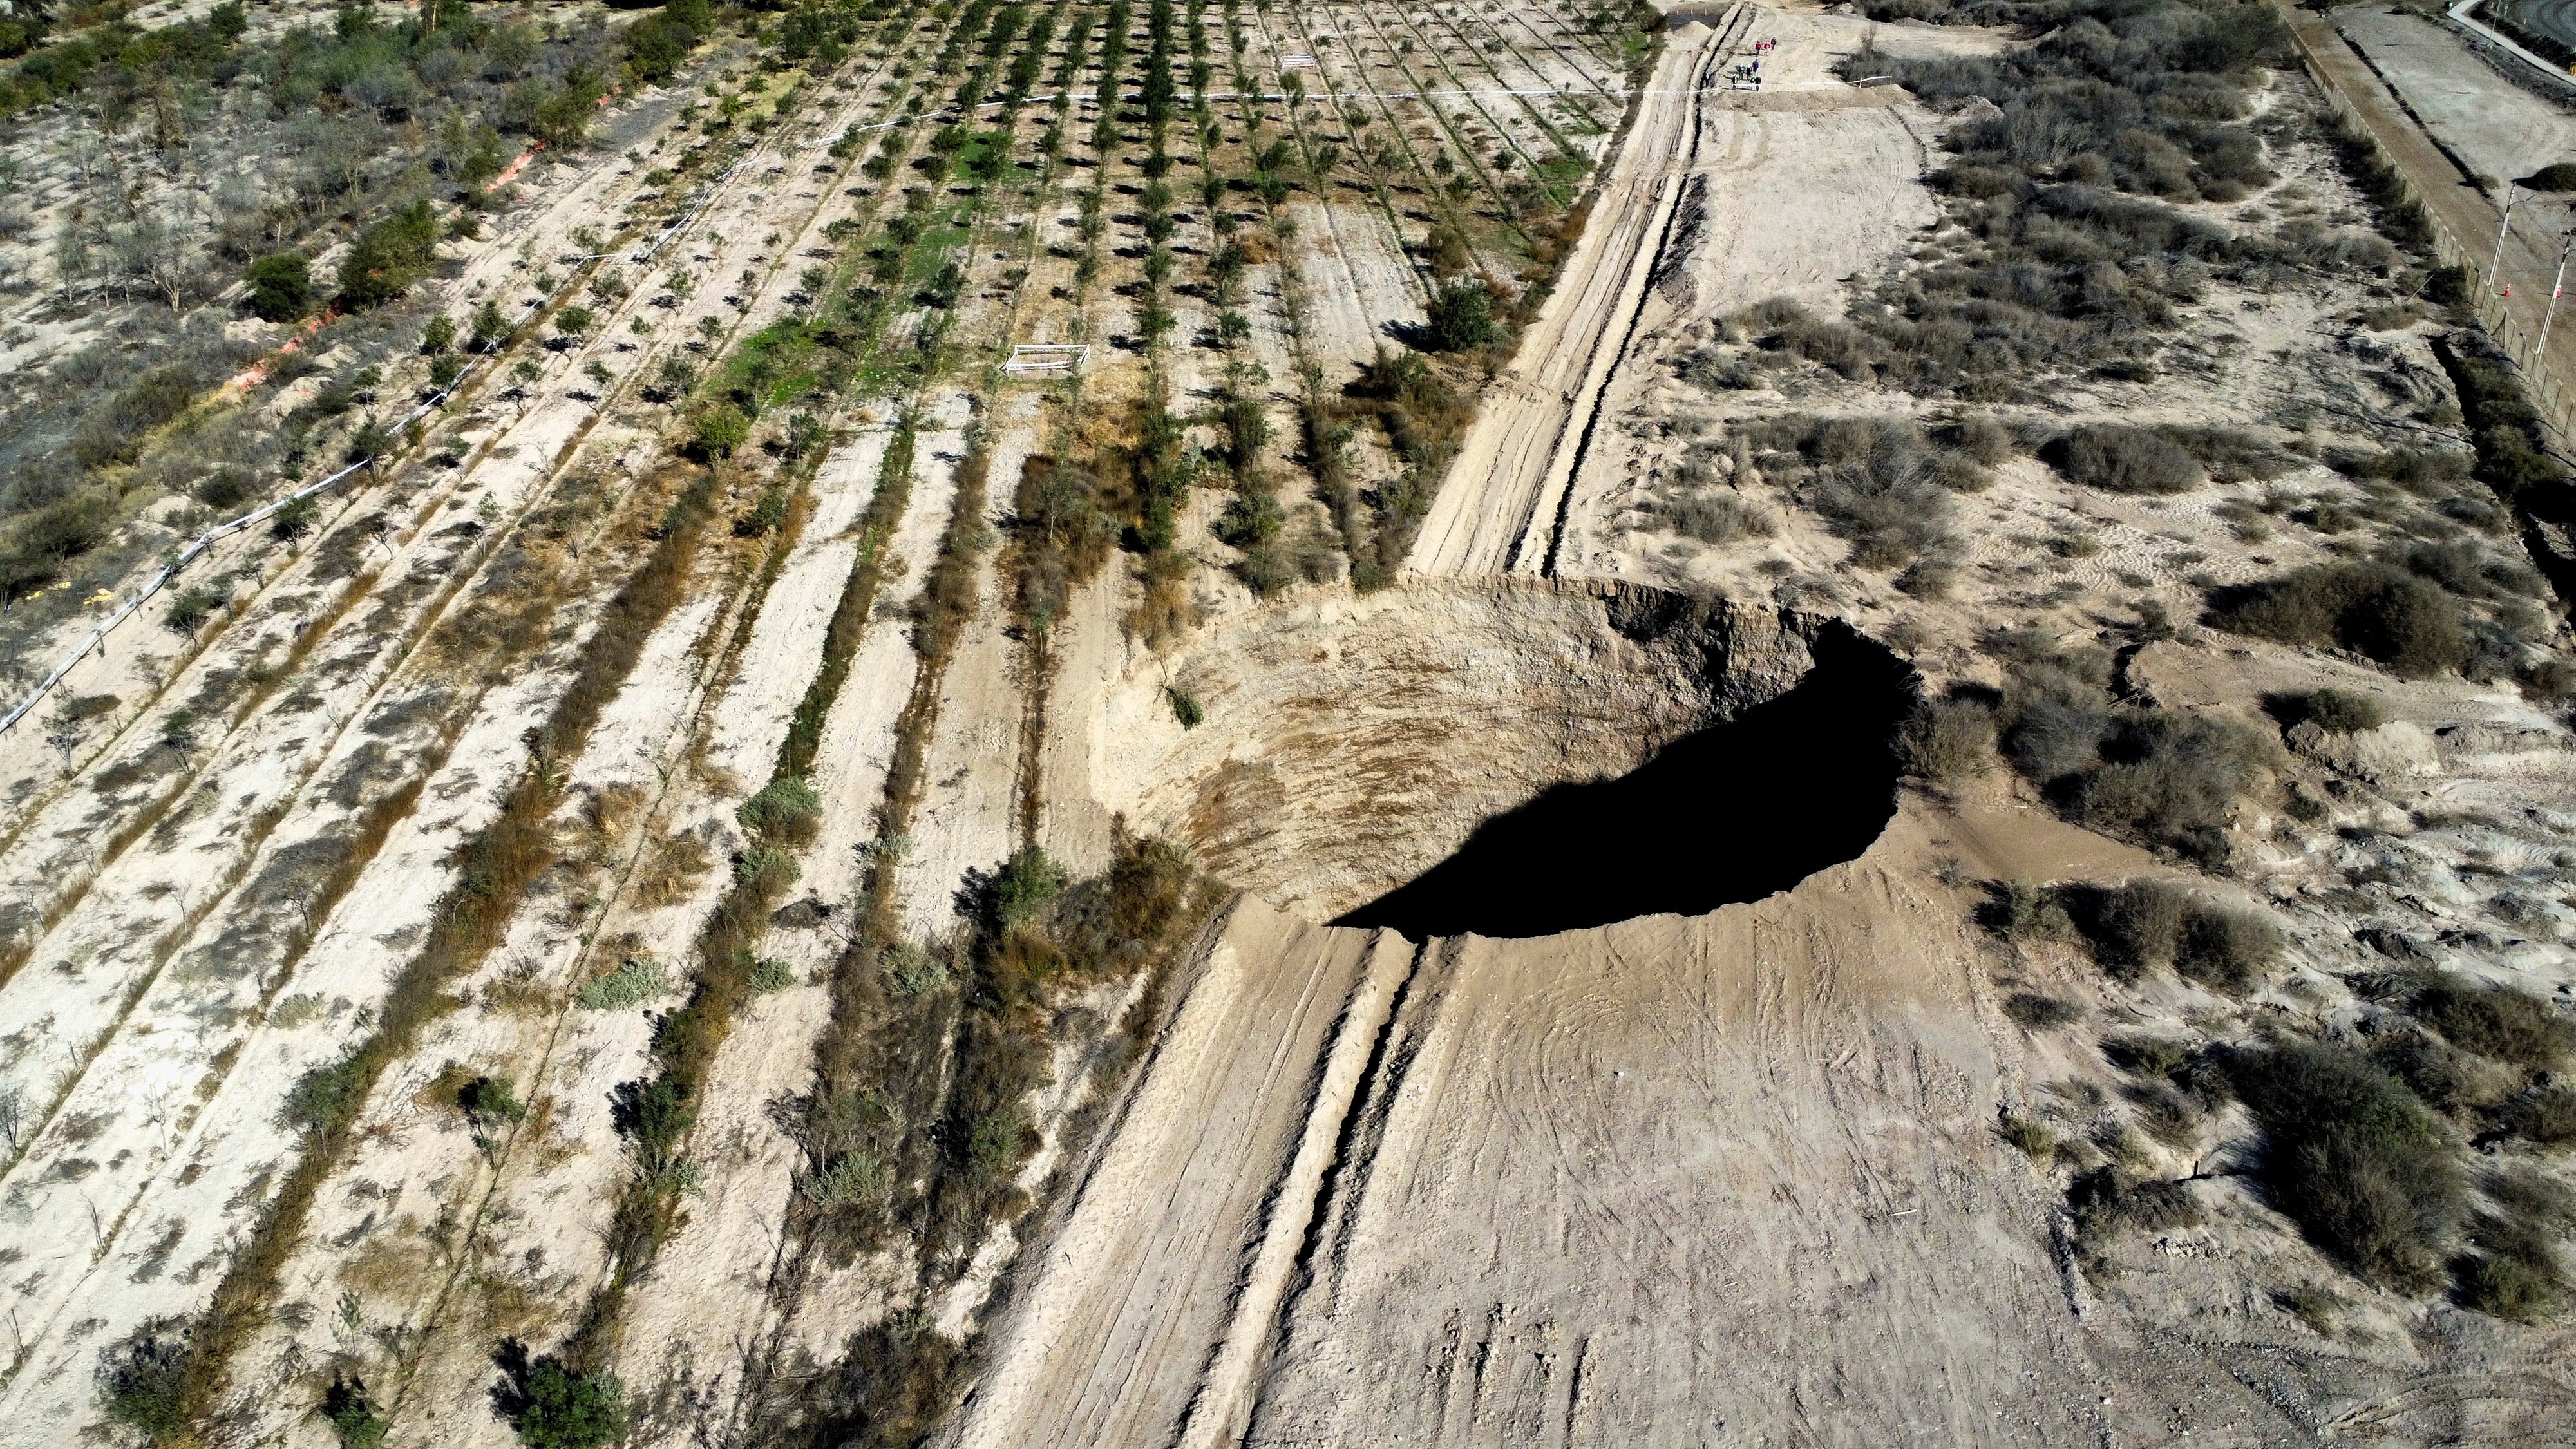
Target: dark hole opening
[1730,813]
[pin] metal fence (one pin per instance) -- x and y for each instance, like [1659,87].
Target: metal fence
[2542,383]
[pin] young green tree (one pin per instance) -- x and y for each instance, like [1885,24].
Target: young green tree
[281,286]
[1462,316]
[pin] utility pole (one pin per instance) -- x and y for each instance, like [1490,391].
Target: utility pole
[2502,223]
[2557,285]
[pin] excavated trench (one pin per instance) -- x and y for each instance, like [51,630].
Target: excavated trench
[1512,758]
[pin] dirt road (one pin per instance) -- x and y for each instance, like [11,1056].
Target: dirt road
[1580,1189]
[2396,119]
[1529,436]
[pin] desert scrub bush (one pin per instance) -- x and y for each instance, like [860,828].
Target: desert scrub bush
[1783,326]
[2518,1271]
[2335,711]
[1715,516]
[637,980]
[2545,1116]
[2164,777]
[140,1380]
[2109,1201]
[2172,1084]
[1876,481]
[2399,620]
[2027,1137]
[785,808]
[2025,913]
[2501,1023]
[2458,1084]
[2117,458]
[855,1179]
[354,1418]
[2354,1158]
[1947,740]
[911,969]
[769,975]
[2146,924]
[327,1095]
[491,1100]
[2033,1011]
[191,607]
[1185,707]
[2506,430]
[553,1406]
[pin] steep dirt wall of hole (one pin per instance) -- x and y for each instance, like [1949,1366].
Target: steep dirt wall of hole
[1349,744]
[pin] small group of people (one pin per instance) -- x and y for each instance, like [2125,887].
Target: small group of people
[1749,73]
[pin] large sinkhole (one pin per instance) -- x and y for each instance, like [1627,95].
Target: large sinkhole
[1511,758]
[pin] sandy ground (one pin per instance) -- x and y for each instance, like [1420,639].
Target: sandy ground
[1665,1182]
[1532,418]
[236,1133]
[1691,221]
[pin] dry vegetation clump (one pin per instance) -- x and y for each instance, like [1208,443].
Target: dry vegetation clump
[1424,410]
[2166,778]
[2385,613]
[2333,711]
[1948,741]
[2355,1158]
[2118,458]
[1882,483]
[2109,1200]
[890,1152]
[2069,256]
[201,152]
[2148,924]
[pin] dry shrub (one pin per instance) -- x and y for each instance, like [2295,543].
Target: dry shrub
[2336,711]
[2354,1158]
[2501,1023]
[2117,458]
[2110,1201]
[2546,1116]
[2025,913]
[606,816]
[1948,740]
[673,865]
[2146,924]
[1714,517]
[1782,325]
[2373,609]
[2449,1080]
[1165,612]
[2034,1012]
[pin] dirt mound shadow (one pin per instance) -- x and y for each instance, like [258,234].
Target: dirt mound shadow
[1730,813]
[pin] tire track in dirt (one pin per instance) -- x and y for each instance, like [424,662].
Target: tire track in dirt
[1504,493]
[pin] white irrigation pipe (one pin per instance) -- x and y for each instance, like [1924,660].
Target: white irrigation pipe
[198,547]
